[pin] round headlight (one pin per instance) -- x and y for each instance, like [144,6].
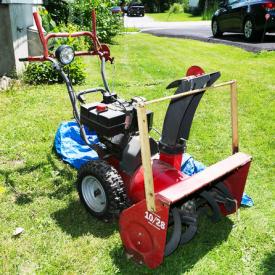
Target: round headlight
[64,54]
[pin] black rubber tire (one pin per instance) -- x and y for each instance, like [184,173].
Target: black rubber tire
[111,182]
[173,242]
[190,232]
[254,35]
[216,32]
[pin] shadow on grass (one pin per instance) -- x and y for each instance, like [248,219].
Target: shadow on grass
[61,189]
[185,257]
[240,38]
[20,197]
[268,265]
[75,221]
[64,173]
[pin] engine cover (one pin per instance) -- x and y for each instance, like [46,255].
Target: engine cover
[106,123]
[113,119]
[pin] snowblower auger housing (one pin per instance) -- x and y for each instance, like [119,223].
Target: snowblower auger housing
[140,178]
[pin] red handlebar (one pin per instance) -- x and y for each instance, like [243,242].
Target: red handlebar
[101,50]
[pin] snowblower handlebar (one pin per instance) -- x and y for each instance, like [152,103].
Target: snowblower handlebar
[100,50]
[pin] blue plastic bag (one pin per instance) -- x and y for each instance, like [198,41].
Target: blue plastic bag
[71,147]
[189,166]
[246,200]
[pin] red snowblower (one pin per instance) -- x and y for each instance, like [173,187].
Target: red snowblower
[138,178]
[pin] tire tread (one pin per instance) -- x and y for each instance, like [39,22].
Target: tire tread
[112,183]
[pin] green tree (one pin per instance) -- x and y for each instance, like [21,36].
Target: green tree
[108,24]
[159,5]
[79,12]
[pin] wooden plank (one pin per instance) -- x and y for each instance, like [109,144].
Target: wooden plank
[146,157]
[189,93]
[234,117]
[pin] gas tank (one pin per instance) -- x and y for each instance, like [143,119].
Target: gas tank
[164,175]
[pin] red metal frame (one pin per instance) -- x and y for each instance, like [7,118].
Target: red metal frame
[102,50]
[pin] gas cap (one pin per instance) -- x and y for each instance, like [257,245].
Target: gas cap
[101,108]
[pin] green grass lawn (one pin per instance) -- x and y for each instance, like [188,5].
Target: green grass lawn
[174,17]
[130,30]
[37,190]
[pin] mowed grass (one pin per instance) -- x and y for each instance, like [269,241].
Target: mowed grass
[37,190]
[174,17]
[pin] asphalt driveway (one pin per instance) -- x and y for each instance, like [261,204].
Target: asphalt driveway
[198,30]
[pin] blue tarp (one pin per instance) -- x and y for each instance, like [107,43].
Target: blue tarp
[70,146]
[73,150]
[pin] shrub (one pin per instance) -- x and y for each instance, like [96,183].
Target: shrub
[43,73]
[176,8]
[186,5]
[160,5]
[206,8]
[108,24]
[59,10]
[79,12]
[47,21]
[209,8]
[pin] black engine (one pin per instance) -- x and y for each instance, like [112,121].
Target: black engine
[114,120]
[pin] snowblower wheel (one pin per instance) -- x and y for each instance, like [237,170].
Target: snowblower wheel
[101,189]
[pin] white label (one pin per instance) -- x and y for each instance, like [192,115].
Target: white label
[154,220]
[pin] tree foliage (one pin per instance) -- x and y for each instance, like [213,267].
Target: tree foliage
[160,5]
[79,12]
[108,24]
[58,9]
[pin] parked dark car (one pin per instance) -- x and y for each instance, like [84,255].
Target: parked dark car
[135,9]
[253,18]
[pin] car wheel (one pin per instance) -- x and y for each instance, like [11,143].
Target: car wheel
[250,33]
[216,28]
[101,189]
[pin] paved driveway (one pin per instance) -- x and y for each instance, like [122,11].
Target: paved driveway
[198,30]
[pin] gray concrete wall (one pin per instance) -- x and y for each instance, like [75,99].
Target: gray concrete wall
[15,19]
[7,58]
[21,19]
